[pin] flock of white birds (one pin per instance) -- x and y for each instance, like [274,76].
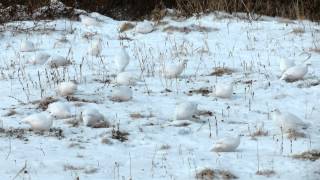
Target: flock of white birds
[184,111]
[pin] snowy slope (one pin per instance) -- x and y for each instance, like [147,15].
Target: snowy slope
[156,148]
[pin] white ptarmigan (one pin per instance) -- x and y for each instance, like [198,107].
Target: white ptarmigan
[144,27]
[27,46]
[121,59]
[66,88]
[39,58]
[296,72]
[121,93]
[39,121]
[226,144]
[174,71]
[88,21]
[285,64]
[127,79]
[223,90]
[92,117]
[56,61]
[59,110]
[186,111]
[288,122]
[95,48]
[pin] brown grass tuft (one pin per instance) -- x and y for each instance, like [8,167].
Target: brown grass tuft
[210,174]
[220,71]
[266,172]
[311,155]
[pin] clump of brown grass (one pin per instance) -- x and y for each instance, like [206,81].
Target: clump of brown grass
[126,26]
[165,147]
[295,134]
[210,174]
[137,115]
[11,112]
[220,71]
[43,103]
[266,172]
[298,31]
[188,29]
[311,155]
[119,135]
[317,50]
[259,132]
[204,91]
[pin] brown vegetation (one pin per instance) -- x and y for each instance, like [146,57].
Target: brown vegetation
[134,10]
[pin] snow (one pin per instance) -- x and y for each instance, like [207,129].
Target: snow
[158,147]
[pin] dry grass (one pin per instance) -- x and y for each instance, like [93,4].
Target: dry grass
[311,155]
[298,31]
[44,103]
[295,134]
[21,134]
[11,112]
[220,71]
[210,174]
[188,29]
[204,91]
[126,26]
[137,115]
[266,172]
[119,135]
[259,132]
[316,50]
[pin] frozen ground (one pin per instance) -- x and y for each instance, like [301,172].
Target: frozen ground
[156,148]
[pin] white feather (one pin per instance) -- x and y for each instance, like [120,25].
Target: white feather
[67,88]
[185,111]
[226,144]
[288,121]
[27,46]
[127,79]
[39,121]
[91,117]
[122,93]
[174,70]
[59,110]
[223,90]
[121,60]
[295,73]
[144,27]
[57,61]
[39,58]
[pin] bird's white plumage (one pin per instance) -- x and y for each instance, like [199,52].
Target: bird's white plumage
[295,73]
[39,58]
[174,70]
[285,64]
[144,27]
[56,61]
[91,117]
[121,93]
[186,111]
[288,121]
[223,90]
[66,88]
[39,121]
[121,60]
[95,48]
[27,46]
[127,79]
[88,21]
[226,144]
[59,110]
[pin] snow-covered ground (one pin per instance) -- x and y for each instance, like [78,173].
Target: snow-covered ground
[159,147]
